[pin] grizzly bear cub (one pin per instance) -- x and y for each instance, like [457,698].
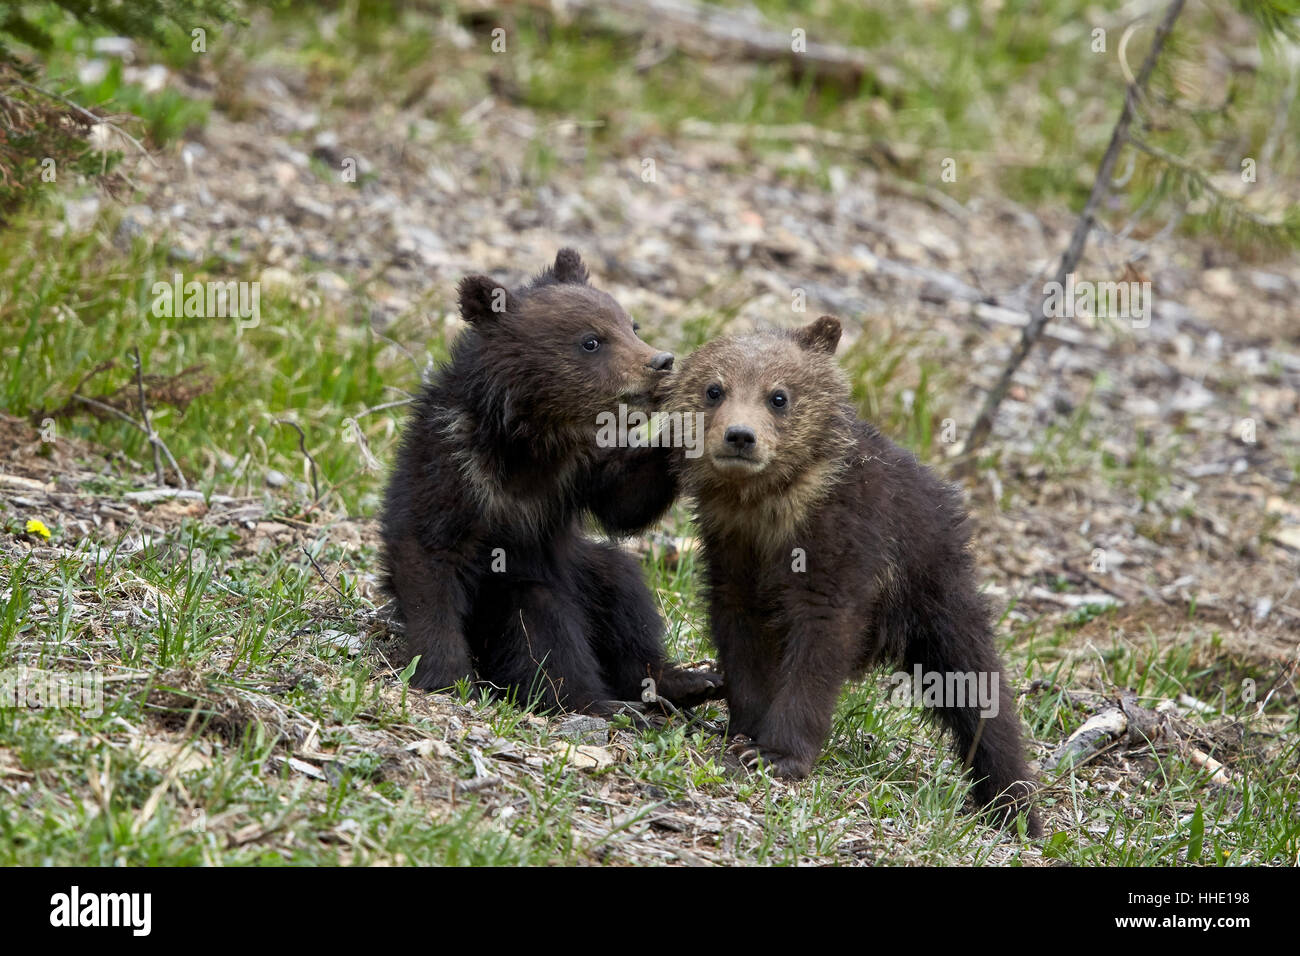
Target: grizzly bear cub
[827,549]
[482,522]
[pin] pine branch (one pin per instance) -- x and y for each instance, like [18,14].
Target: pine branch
[1225,208]
[1275,17]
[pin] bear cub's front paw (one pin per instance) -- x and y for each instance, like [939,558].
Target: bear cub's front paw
[687,688]
[752,754]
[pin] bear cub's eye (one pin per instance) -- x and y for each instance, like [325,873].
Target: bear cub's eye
[713,393]
[779,400]
[590,343]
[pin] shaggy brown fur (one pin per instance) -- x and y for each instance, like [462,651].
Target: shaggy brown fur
[828,549]
[483,542]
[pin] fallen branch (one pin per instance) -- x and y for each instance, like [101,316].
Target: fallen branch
[177,391]
[1218,773]
[1098,734]
[476,784]
[706,30]
[155,495]
[857,143]
[1126,722]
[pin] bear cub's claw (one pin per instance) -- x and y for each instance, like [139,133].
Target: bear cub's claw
[687,688]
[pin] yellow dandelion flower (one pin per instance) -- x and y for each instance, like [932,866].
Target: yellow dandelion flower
[35,526]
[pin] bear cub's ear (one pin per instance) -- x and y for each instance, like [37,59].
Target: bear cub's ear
[482,298]
[820,335]
[569,267]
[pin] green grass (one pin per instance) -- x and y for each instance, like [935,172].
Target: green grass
[68,305]
[229,657]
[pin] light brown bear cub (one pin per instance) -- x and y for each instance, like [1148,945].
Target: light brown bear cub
[828,549]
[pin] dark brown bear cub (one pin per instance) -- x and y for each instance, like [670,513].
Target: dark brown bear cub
[827,549]
[482,522]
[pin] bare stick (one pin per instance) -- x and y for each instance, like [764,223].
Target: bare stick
[383,407]
[101,367]
[332,585]
[302,445]
[144,413]
[111,410]
[1098,734]
[1219,775]
[419,369]
[1074,252]
[154,438]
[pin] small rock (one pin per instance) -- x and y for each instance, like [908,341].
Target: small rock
[135,221]
[584,757]
[121,47]
[152,79]
[331,284]
[429,746]
[1288,536]
[92,71]
[350,643]
[304,205]
[1270,282]
[582,727]
[1219,282]
[277,279]
[284,174]
[424,242]
[80,214]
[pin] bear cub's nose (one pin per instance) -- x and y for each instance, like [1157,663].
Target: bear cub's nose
[740,437]
[662,362]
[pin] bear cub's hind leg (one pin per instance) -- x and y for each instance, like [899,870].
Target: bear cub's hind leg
[627,631]
[542,652]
